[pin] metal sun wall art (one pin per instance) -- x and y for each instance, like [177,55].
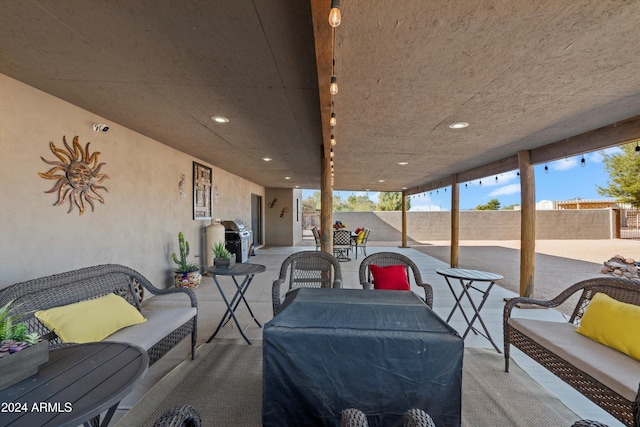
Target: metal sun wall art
[79,177]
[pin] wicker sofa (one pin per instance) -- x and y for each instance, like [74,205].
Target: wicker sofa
[171,313]
[609,378]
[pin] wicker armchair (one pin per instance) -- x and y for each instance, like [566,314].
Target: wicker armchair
[385,259]
[352,417]
[307,269]
[628,291]
[179,416]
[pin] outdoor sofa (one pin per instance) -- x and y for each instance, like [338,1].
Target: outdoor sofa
[608,377]
[171,314]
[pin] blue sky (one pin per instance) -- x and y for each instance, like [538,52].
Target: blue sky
[565,180]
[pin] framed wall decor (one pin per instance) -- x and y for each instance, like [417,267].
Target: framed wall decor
[201,192]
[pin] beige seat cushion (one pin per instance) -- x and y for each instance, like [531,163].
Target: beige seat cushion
[612,368]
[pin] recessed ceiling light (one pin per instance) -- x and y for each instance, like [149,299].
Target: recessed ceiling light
[381,180]
[220,119]
[458,125]
[287,177]
[403,163]
[267,159]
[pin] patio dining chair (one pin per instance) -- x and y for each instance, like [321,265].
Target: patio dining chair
[306,269]
[361,242]
[316,236]
[342,244]
[179,416]
[388,259]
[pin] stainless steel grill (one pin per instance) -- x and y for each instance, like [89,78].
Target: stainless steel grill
[237,239]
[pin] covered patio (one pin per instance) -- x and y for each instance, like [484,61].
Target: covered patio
[211,308]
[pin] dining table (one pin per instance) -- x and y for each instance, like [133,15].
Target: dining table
[382,352]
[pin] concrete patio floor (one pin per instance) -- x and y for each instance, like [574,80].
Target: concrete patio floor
[211,307]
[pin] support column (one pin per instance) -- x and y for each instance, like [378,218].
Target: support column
[404,220]
[527,224]
[326,207]
[455,221]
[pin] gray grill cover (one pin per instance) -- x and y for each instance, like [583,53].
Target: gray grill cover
[382,352]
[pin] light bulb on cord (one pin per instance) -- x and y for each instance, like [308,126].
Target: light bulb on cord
[583,162]
[333,141]
[333,88]
[333,120]
[334,15]
[637,153]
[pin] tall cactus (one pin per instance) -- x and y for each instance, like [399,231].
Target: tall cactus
[184,266]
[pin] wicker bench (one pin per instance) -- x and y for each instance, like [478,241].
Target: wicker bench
[171,313]
[607,377]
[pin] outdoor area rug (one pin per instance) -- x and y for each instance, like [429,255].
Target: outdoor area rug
[224,384]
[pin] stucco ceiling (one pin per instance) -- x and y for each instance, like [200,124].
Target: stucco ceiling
[523,73]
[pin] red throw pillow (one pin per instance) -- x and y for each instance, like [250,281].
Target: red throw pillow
[393,277]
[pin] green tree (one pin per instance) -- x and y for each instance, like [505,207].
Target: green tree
[624,175]
[491,205]
[510,207]
[311,203]
[361,203]
[391,201]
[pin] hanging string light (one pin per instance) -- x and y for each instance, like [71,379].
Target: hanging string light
[637,152]
[546,169]
[333,141]
[583,162]
[333,88]
[334,15]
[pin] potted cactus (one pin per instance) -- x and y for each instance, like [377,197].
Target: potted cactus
[21,352]
[188,273]
[222,258]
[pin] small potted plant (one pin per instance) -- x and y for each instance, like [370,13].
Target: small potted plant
[222,258]
[188,273]
[21,352]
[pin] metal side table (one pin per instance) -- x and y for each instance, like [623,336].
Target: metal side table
[247,270]
[467,279]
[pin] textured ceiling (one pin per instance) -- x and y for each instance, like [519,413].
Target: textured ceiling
[524,74]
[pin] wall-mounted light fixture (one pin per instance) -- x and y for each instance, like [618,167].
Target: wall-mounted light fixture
[97,127]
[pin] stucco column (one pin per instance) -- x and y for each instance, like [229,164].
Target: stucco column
[527,224]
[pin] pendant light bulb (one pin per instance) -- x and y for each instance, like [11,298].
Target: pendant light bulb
[637,153]
[334,15]
[333,120]
[583,162]
[333,141]
[333,88]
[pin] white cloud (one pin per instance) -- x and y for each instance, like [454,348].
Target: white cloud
[565,164]
[506,190]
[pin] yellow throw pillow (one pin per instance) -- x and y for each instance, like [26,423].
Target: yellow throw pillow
[361,236]
[90,321]
[613,323]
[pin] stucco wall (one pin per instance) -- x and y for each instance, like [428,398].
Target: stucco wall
[282,222]
[483,225]
[143,212]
